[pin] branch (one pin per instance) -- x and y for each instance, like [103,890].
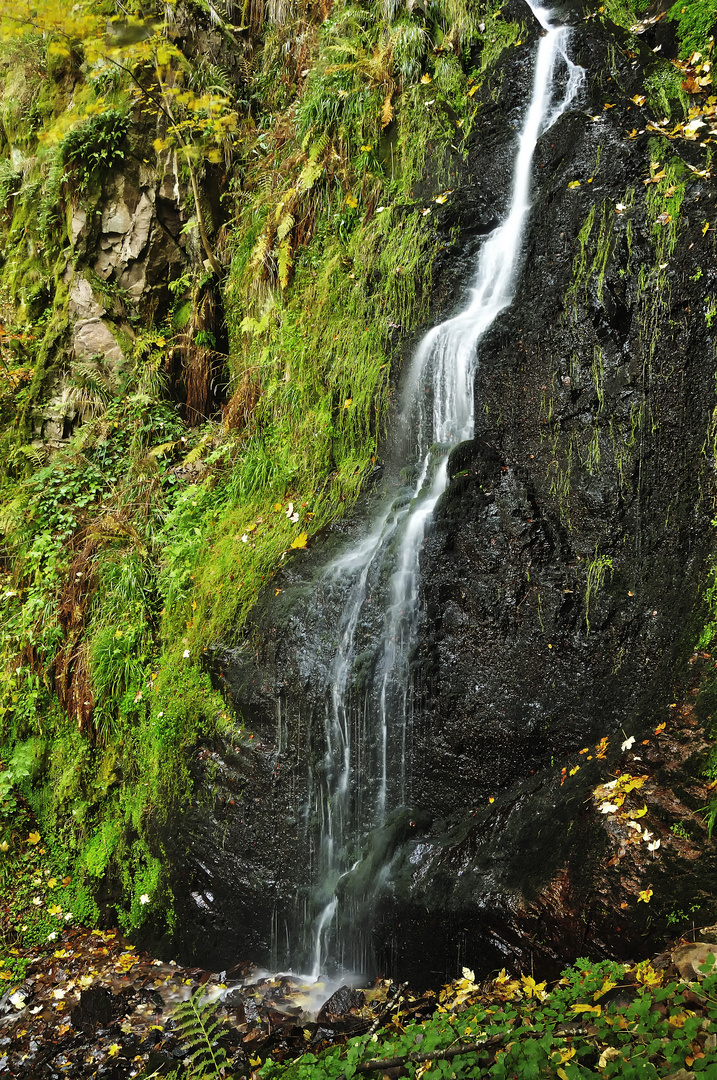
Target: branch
[379,1064]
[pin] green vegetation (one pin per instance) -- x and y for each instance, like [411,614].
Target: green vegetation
[631,1023]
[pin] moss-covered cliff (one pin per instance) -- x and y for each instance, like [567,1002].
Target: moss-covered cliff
[222,228]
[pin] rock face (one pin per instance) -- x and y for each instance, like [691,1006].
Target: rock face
[560,579]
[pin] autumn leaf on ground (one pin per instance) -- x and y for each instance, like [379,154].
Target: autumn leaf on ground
[644,896]
[425,79]
[300,541]
[574,184]
[351,201]
[114,1049]
[597,1009]
[34,838]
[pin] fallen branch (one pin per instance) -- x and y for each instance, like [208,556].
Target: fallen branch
[436,1055]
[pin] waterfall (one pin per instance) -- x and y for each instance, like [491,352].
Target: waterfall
[362,778]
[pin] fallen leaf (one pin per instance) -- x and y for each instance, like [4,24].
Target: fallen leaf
[644,896]
[34,838]
[300,541]
[574,184]
[351,201]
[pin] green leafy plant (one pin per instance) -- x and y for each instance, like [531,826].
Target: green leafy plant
[97,144]
[196,1023]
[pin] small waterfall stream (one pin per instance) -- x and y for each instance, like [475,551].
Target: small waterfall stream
[363,777]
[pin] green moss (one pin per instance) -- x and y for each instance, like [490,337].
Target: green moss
[696,21]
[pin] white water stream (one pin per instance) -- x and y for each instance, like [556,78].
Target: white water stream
[364,769]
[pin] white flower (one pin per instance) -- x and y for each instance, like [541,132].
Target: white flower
[608,808]
[653,846]
[244,538]
[144,898]
[52,936]
[160,714]
[185,654]
[628,744]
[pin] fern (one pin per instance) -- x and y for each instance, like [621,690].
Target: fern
[285,262]
[197,1025]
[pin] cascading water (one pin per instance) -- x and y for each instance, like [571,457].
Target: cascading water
[363,776]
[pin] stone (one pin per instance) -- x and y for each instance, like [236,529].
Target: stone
[93,337]
[688,959]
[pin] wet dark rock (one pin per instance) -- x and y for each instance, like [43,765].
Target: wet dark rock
[97,1008]
[341,1002]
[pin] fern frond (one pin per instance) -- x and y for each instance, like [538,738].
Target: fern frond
[285,262]
[285,226]
[197,1025]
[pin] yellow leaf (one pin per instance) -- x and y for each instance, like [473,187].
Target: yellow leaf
[660,727]
[114,1049]
[300,541]
[472,91]
[4,846]
[705,227]
[425,79]
[574,184]
[194,605]
[607,105]
[597,1009]
[254,1062]
[54,909]
[441,199]
[348,403]
[34,838]
[351,201]
[52,883]
[640,813]
[573,771]
[644,896]
[365,149]
[277,507]
[250,528]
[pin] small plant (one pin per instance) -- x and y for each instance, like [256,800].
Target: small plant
[196,1023]
[97,144]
